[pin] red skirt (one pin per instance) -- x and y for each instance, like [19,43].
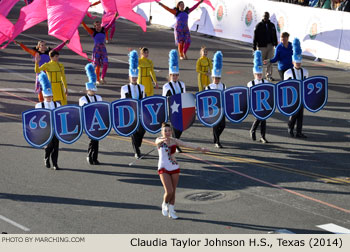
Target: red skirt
[163,170]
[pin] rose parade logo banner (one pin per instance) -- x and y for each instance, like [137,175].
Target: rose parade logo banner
[126,115]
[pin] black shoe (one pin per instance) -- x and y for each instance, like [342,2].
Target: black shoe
[55,167]
[137,155]
[89,160]
[252,135]
[218,145]
[178,149]
[263,140]
[96,162]
[300,135]
[47,163]
[290,132]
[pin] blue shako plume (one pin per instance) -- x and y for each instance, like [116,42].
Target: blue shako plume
[90,72]
[217,64]
[133,64]
[297,51]
[258,62]
[45,84]
[173,62]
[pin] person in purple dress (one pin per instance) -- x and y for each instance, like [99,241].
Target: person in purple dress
[181,30]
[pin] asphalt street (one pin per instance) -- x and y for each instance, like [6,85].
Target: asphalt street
[288,185]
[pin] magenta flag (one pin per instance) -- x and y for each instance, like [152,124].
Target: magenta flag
[6,6]
[75,45]
[208,3]
[64,17]
[134,3]
[29,16]
[124,9]
[6,29]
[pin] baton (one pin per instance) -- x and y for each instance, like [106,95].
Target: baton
[144,155]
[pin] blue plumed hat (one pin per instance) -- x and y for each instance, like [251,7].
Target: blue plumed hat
[173,62]
[90,72]
[45,84]
[133,64]
[217,64]
[297,51]
[258,63]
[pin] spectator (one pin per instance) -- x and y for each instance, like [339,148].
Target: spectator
[345,6]
[265,39]
[283,55]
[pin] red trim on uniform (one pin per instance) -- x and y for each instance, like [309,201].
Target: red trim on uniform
[163,170]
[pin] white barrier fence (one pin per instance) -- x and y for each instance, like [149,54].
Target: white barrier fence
[322,33]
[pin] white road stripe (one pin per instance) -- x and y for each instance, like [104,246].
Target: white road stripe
[333,228]
[14,223]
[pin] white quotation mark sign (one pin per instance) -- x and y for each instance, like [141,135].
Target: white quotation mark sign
[312,87]
[42,124]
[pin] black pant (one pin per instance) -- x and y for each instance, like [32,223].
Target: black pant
[52,150]
[298,118]
[93,150]
[218,129]
[177,133]
[281,72]
[136,138]
[255,125]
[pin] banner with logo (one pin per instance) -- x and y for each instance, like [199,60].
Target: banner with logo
[153,113]
[68,123]
[37,127]
[97,120]
[210,109]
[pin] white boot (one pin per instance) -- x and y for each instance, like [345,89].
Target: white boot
[172,212]
[165,208]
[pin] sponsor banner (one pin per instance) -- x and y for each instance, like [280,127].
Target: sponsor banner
[315,90]
[209,107]
[288,96]
[236,103]
[97,120]
[37,127]
[153,113]
[182,110]
[262,100]
[68,123]
[344,50]
[125,116]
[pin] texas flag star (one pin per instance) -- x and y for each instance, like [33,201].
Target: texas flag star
[175,107]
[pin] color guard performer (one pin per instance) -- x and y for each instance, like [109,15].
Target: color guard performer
[203,68]
[137,92]
[296,73]
[258,78]
[91,96]
[51,150]
[174,86]
[217,84]
[146,72]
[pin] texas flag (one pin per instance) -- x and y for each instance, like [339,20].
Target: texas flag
[182,110]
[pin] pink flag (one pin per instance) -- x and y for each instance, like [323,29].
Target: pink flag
[208,3]
[6,6]
[75,45]
[134,3]
[124,9]
[6,29]
[29,16]
[63,18]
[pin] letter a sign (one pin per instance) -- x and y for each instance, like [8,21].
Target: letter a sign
[97,120]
